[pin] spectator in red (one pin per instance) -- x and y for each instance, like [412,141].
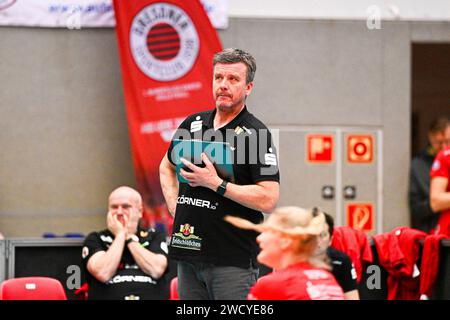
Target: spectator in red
[423,216]
[399,253]
[355,244]
[288,242]
[440,188]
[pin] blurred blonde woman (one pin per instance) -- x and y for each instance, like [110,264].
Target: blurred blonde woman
[288,242]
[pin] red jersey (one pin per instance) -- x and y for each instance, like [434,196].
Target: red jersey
[398,253]
[354,243]
[300,281]
[441,168]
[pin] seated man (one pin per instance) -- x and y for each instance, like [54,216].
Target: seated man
[341,264]
[125,261]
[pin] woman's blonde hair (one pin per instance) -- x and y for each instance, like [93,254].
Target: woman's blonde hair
[304,225]
[308,219]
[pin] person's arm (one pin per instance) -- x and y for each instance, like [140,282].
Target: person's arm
[153,264]
[345,274]
[351,295]
[169,183]
[262,196]
[439,196]
[103,264]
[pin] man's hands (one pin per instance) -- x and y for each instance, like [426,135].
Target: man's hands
[201,177]
[103,264]
[261,196]
[117,224]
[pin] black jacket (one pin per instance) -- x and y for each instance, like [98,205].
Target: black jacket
[422,217]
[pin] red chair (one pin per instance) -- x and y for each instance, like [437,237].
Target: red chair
[32,288]
[174,289]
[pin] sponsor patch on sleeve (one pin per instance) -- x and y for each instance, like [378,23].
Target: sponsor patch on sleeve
[85,252]
[164,247]
[436,165]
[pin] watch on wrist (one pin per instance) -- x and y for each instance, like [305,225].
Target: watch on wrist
[222,188]
[132,238]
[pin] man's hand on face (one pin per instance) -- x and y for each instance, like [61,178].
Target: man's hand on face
[116,225]
[201,177]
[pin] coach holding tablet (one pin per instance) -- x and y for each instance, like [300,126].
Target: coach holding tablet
[216,260]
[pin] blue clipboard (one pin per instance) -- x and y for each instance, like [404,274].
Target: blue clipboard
[218,152]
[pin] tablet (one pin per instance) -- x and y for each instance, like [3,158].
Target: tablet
[218,152]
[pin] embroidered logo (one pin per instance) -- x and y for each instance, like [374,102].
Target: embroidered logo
[270,158]
[186,239]
[106,239]
[238,130]
[436,165]
[197,124]
[85,252]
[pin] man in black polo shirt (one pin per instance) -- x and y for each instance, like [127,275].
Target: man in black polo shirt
[125,261]
[215,259]
[341,264]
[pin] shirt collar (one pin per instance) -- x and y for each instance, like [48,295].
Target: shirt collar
[232,124]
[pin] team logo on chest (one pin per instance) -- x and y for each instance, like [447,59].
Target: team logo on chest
[186,229]
[164,42]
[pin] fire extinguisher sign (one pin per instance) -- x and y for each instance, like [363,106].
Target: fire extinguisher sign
[319,148]
[360,149]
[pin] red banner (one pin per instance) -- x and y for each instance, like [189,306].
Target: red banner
[166,51]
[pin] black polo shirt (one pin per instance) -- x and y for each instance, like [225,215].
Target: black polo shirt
[343,269]
[199,232]
[129,282]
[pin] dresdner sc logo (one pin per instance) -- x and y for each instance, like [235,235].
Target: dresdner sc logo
[164,42]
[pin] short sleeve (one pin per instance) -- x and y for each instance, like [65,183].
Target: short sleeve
[440,167]
[91,245]
[259,291]
[266,166]
[158,243]
[182,133]
[348,279]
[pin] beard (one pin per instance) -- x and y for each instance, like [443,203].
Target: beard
[227,106]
